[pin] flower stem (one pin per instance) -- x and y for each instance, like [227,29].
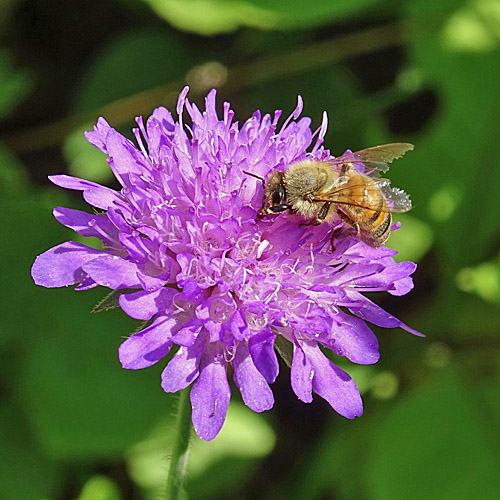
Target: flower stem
[180,449]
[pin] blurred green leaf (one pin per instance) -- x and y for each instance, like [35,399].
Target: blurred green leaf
[29,224]
[413,240]
[437,442]
[209,17]
[434,446]
[24,471]
[454,171]
[14,85]
[483,280]
[84,160]
[84,404]
[99,488]
[79,401]
[215,468]
[13,177]
[474,27]
[130,64]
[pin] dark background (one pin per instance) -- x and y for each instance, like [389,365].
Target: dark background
[74,425]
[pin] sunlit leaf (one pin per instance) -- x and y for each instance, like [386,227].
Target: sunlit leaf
[99,488]
[482,280]
[84,160]
[244,438]
[218,16]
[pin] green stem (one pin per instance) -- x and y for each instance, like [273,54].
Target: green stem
[180,449]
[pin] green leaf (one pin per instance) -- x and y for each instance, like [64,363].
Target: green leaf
[413,240]
[131,63]
[482,280]
[83,403]
[25,471]
[79,401]
[83,159]
[99,488]
[434,446]
[209,17]
[13,178]
[110,301]
[215,468]
[285,349]
[455,165]
[14,85]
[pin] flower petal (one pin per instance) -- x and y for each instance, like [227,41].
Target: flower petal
[62,264]
[148,346]
[301,375]
[332,383]
[254,389]
[144,304]
[121,151]
[113,272]
[93,193]
[97,137]
[261,347]
[352,338]
[210,396]
[369,311]
[183,368]
[87,224]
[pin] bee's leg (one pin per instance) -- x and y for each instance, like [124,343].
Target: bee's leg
[350,229]
[323,212]
[312,222]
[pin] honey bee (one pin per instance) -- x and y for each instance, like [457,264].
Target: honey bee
[348,186]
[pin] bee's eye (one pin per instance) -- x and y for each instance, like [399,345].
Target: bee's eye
[279,195]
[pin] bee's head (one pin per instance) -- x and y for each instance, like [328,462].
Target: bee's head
[275,198]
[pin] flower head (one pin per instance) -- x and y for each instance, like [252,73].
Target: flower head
[183,246]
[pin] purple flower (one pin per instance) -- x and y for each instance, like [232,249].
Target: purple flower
[184,249]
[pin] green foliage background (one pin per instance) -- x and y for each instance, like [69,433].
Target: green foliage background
[74,425]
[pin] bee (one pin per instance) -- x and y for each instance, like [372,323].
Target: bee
[348,186]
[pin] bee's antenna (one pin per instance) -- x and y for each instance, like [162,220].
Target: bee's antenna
[261,179]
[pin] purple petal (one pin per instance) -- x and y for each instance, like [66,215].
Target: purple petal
[254,389]
[369,311]
[144,305]
[189,332]
[148,346]
[210,396]
[301,375]
[402,287]
[183,368]
[352,338]
[95,194]
[261,347]
[385,279]
[97,137]
[62,264]
[113,272]
[332,383]
[101,197]
[86,224]
[70,182]
[121,150]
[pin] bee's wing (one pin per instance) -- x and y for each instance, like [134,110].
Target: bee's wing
[397,200]
[377,157]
